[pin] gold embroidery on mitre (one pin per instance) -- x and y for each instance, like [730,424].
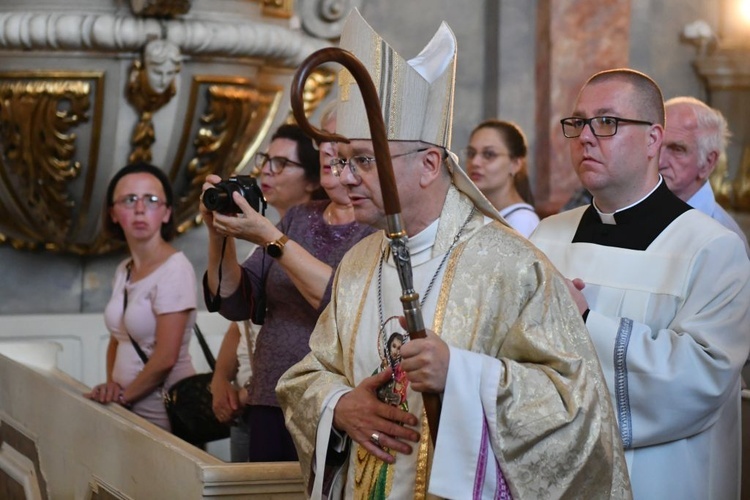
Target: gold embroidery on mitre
[345,80]
[416,99]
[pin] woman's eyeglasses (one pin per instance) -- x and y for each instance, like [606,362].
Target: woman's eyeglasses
[275,163]
[150,201]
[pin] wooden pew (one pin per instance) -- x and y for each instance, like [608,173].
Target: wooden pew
[56,444]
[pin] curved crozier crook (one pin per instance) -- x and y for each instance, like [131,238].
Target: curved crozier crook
[371,100]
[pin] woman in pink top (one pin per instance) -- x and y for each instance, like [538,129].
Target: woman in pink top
[153,299]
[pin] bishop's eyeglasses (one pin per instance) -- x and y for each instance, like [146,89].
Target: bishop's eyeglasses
[362,163]
[601,126]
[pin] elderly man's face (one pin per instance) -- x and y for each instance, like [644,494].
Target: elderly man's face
[680,161]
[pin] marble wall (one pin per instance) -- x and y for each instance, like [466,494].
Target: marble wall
[521,61]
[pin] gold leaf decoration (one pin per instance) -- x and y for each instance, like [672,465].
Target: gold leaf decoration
[36,119]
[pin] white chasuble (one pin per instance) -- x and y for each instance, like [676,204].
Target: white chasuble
[524,384]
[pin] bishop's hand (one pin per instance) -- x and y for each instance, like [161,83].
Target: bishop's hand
[373,424]
[425,362]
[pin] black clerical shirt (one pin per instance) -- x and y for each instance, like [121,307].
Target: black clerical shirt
[635,228]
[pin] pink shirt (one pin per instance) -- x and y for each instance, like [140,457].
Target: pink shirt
[170,288]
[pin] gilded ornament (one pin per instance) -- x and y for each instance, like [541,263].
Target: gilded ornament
[721,183]
[317,87]
[37,117]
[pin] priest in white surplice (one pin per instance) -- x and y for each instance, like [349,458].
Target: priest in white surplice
[525,409]
[665,291]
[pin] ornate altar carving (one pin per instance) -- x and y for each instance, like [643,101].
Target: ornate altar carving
[150,86]
[39,115]
[324,18]
[65,131]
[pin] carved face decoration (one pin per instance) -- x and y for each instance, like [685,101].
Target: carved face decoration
[162,62]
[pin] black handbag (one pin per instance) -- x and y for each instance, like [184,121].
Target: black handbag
[189,402]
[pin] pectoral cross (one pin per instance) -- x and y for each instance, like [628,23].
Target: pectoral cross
[345,79]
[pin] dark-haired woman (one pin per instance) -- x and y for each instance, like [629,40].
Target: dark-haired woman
[292,270]
[153,299]
[496,162]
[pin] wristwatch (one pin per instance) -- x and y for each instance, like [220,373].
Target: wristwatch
[276,248]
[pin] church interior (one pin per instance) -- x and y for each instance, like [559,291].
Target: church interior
[73,110]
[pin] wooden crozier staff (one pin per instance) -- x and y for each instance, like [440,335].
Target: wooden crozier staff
[396,233]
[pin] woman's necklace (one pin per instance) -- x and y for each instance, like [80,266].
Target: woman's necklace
[381,314]
[327,216]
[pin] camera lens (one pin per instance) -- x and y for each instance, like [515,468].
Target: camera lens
[216,200]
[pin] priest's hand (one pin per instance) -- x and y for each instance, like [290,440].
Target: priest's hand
[575,286]
[373,424]
[425,362]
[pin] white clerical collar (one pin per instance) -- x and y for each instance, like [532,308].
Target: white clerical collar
[609,218]
[420,245]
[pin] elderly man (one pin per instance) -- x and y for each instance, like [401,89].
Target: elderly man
[665,291]
[525,411]
[694,139]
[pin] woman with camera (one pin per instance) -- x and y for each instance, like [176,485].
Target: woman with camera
[153,302]
[233,362]
[286,280]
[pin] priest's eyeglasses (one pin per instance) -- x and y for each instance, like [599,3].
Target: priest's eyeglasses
[275,163]
[361,163]
[150,201]
[601,126]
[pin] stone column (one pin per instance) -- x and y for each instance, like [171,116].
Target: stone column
[575,38]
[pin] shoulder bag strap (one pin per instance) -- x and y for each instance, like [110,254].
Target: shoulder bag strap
[141,354]
[204,346]
[138,349]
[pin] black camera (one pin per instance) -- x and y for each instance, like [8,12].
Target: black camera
[219,198]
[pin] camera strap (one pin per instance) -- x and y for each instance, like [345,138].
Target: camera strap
[258,315]
[214,304]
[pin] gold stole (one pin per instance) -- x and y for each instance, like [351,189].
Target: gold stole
[367,467]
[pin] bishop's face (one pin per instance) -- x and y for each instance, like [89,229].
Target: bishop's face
[363,185]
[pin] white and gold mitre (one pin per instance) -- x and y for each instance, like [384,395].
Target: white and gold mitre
[416,96]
